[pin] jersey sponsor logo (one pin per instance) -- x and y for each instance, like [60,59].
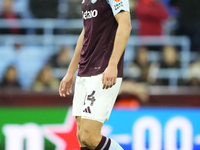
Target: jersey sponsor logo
[117,0]
[89,14]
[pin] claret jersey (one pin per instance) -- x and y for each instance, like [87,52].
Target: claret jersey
[100,30]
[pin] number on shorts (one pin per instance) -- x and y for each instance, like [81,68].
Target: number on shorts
[91,98]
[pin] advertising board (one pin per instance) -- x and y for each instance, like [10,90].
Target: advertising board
[142,129]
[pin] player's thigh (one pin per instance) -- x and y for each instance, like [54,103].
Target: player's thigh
[78,122]
[90,127]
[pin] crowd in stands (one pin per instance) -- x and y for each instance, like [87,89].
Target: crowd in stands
[8,12]
[10,79]
[139,73]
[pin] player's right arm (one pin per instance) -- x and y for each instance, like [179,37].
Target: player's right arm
[68,80]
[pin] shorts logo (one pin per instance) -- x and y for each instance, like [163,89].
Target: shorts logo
[117,0]
[87,110]
[89,14]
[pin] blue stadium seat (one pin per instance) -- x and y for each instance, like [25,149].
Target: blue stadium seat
[129,55]
[7,57]
[30,60]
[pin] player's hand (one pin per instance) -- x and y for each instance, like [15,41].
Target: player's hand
[66,85]
[109,77]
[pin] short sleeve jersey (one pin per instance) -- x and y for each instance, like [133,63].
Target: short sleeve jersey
[100,30]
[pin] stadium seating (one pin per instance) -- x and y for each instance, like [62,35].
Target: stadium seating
[7,57]
[30,60]
[38,48]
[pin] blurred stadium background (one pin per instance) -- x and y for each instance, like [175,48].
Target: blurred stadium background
[158,106]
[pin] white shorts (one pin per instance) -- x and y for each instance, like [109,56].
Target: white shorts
[91,101]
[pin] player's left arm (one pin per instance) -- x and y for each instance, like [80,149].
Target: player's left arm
[121,39]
